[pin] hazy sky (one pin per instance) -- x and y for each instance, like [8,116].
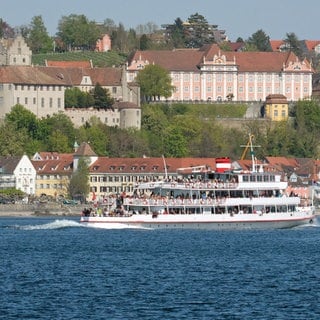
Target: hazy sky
[240,18]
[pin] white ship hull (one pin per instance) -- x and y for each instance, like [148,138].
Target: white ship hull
[203,221]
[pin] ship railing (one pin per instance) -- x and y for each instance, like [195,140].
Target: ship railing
[209,201]
[200,185]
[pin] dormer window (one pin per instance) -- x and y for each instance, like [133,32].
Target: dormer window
[112,168]
[95,168]
[134,168]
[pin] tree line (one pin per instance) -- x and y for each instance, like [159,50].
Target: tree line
[177,130]
[77,32]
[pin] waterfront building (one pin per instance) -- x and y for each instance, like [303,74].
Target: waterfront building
[17,173]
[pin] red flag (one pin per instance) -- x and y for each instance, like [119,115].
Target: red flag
[93,196]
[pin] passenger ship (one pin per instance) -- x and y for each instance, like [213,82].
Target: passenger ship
[205,199]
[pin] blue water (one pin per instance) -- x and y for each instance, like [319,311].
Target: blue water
[57,269]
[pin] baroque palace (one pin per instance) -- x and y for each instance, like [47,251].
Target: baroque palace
[209,74]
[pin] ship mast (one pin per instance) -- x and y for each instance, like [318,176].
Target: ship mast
[250,146]
[253,158]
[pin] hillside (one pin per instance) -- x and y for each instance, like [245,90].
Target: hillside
[99,59]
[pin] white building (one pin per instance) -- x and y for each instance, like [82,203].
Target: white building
[18,173]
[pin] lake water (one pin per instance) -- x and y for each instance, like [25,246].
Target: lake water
[56,269]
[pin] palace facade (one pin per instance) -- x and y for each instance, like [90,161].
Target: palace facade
[210,74]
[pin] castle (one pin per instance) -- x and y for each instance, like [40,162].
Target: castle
[41,89]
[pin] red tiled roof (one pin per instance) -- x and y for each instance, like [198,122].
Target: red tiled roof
[276,44]
[60,163]
[282,162]
[311,44]
[191,59]
[236,46]
[147,165]
[59,76]
[172,60]
[69,64]
[262,61]
[276,98]
[85,150]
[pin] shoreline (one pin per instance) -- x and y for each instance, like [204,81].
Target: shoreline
[33,211]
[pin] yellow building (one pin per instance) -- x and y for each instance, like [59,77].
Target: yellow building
[276,107]
[54,171]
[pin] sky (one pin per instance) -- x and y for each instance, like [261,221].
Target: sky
[239,18]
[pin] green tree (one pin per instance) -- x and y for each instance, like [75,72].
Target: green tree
[145,42]
[293,44]
[79,186]
[76,31]
[62,124]
[307,127]
[178,38]
[175,143]
[197,31]
[102,97]
[74,97]
[119,38]
[21,118]
[12,141]
[259,40]
[58,142]
[132,40]
[108,26]
[155,82]
[94,132]
[39,40]
[125,143]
